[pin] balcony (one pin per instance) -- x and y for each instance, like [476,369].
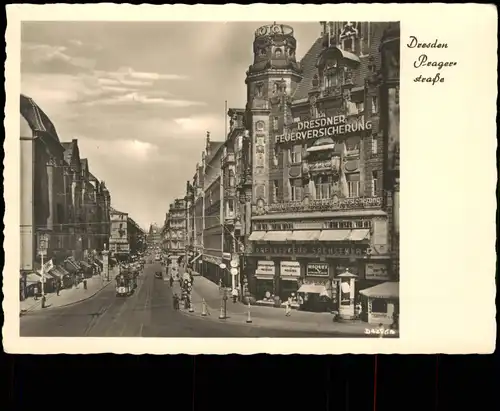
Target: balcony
[334,91]
[333,204]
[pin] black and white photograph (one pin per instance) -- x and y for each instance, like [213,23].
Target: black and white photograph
[233,179]
[237,183]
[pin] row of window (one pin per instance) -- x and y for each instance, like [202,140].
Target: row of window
[343,224]
[323,187]
[295,152]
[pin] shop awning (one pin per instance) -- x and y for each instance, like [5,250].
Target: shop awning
[389,289]
[56,272]
[84,264]
[322,147]
[264,276]
[277,236]
[32,278]
[71,266]
[257,235]
[195,258]
[62,270]
[313,289]
[305,235]
[335,235]
[359,235]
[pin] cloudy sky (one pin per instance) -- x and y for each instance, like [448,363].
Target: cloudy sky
[139,97]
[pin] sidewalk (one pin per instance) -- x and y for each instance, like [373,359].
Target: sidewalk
[68,296]
[261,316]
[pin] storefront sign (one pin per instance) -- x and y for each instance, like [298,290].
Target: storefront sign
[376,272]
[309,249]
[290,269]
[265,268]
[317,269]
[327,205]
[212,259]
[323,127]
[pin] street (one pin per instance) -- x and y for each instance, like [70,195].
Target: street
[147,313]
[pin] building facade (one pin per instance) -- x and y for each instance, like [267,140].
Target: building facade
[119,245]
[137,237]
[303,195]
[176,228]
[155,234]
[213,230]
[319,209]
[42,189]
[60,198]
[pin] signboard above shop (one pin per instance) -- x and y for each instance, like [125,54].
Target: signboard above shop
[265,268]
[317,270]
[290,269]
[376,271]
[311,249]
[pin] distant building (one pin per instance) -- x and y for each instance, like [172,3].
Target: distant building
[119,245]
[175,228]
[154,235]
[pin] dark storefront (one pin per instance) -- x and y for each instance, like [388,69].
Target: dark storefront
[309,274]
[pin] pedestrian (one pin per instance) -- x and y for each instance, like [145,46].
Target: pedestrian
[171,281]
[35,292]
[288,307]
[84,283]
[176,301]
[58,287]
[234,294]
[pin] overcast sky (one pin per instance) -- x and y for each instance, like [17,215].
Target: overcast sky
[139,97]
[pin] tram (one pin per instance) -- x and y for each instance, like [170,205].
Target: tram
[126,283]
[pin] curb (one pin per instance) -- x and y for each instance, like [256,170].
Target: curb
[32,309]
[243,323]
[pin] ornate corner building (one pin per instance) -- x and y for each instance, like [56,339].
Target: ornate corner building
[311,164]
[175,228]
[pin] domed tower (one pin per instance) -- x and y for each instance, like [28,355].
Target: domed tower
[270,81]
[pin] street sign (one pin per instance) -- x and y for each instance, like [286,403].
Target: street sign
[234,271]
[234,263]
[222,265]
[42,243]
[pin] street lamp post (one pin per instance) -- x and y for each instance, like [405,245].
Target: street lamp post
[43,240]
[223,308]
[105,262]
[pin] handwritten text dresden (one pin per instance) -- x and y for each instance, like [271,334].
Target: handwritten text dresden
[423,61]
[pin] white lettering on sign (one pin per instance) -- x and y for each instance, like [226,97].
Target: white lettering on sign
[290,268]
[323,127]
[317,269]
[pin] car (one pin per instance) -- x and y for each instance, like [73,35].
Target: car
[159,274]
